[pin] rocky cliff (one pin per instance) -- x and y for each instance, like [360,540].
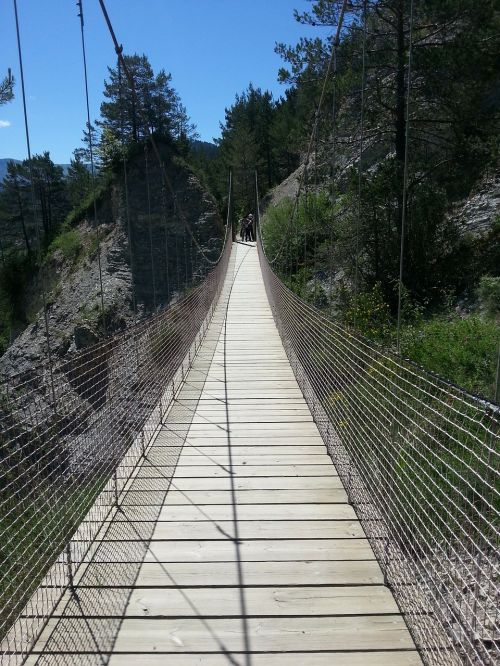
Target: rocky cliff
[138,277]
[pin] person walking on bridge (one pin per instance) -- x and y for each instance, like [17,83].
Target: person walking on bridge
[251,227]
[246,228]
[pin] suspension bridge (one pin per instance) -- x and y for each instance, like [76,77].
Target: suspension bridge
[238,479]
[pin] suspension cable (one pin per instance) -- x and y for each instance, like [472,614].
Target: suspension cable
[149,135]
[405,180]
[92,164]
[336,41]
[334,156]
[35,215]
[360,161]
[167,257]
[150,226]
[125,186]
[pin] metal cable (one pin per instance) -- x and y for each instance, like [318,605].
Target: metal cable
[360,160]
[420,461]
[150,227]
[151,138]
[336,40]
[35,214]
[405,180]
[60,474]
[92,164]
[126,192]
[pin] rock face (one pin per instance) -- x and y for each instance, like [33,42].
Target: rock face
[477,213]
[285,190]
[173,224]
[75,303]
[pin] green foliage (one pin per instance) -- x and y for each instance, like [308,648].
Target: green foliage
[414,445]
[85,209]
[41,178]
[7,88]
[69,243]
[259,133]
[462,350]
[369,314]
[16,271]
[155,107]
[78,179]
[489,294]
[294,231]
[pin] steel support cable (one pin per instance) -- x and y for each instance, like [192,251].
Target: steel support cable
[443,430]
[92,164]
[316,121]
[150,226]
[315,212]
[35,214]
[177,254]
[306,227]
[167,254]
[360,161]
[334,157]
[103,466]
[125,190]
[150,136]
[359,368]
[405,180]
[103,370]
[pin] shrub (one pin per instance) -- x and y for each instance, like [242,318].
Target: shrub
[69,243]
[461,350]
[369,314]
[489,294]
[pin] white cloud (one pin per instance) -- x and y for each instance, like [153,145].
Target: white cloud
[4,123]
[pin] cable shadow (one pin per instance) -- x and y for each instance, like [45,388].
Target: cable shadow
[106,579]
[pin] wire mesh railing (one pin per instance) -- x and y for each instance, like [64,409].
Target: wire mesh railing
[419,459]
[70,439]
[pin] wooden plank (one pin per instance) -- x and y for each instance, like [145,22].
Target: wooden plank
[259,529]
[208,471]
[373,658]
[191,457]
[257,550]
[256,496]
[303,572]
[226,602]
[270,449]
[283,512]
[274,438]
[136,527]
[245,483]
[273,634]
[304,428]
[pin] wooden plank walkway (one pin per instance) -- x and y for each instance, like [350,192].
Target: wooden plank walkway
[253,556]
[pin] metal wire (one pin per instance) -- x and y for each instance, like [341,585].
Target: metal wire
[62,471]
[419,459]
[405,179]
[93,179]
[303,177]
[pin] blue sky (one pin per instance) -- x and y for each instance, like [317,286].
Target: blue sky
[213,49]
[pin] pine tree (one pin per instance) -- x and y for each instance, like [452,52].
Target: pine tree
[78,179]
[7,89]
[150,106]
[14,202]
